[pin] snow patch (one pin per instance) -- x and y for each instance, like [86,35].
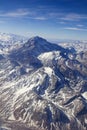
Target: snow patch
[85,95]
[49,56]
[48,70]
[86,120]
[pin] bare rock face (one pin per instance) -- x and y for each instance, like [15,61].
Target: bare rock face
[43,87]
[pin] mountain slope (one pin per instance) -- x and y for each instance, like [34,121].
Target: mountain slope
[43,87]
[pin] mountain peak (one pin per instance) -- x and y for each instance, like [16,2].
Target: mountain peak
[37,38]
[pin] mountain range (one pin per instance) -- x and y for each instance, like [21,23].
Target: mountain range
[43,86]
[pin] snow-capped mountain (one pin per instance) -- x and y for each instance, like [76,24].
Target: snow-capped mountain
[43,87]
[76,44]
[10,41]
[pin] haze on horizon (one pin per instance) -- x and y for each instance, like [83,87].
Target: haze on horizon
[53,19]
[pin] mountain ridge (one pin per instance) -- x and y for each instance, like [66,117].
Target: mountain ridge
[43,86]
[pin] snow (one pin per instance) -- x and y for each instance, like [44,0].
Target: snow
[49,55]
[71,56]
[21,91]
[13,70]
[77,45]
[66,62]
[48,70]
[4,37]
[85,95]
[86,120]
[11,117]
[8,41]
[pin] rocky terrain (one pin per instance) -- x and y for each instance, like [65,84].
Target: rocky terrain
[43,86]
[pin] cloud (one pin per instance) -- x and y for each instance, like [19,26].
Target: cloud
[73,17]
[40,18]
[75,29]
[62,22]
[24,13]
[42,14]
[16,13]
[80,25]
[67,16]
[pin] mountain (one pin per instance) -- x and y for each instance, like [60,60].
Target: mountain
[9,41]
[43,87]
[78,45]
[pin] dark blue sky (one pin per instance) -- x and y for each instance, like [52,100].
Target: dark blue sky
[55,19]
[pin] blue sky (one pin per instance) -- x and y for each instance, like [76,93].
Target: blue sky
[54,19]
